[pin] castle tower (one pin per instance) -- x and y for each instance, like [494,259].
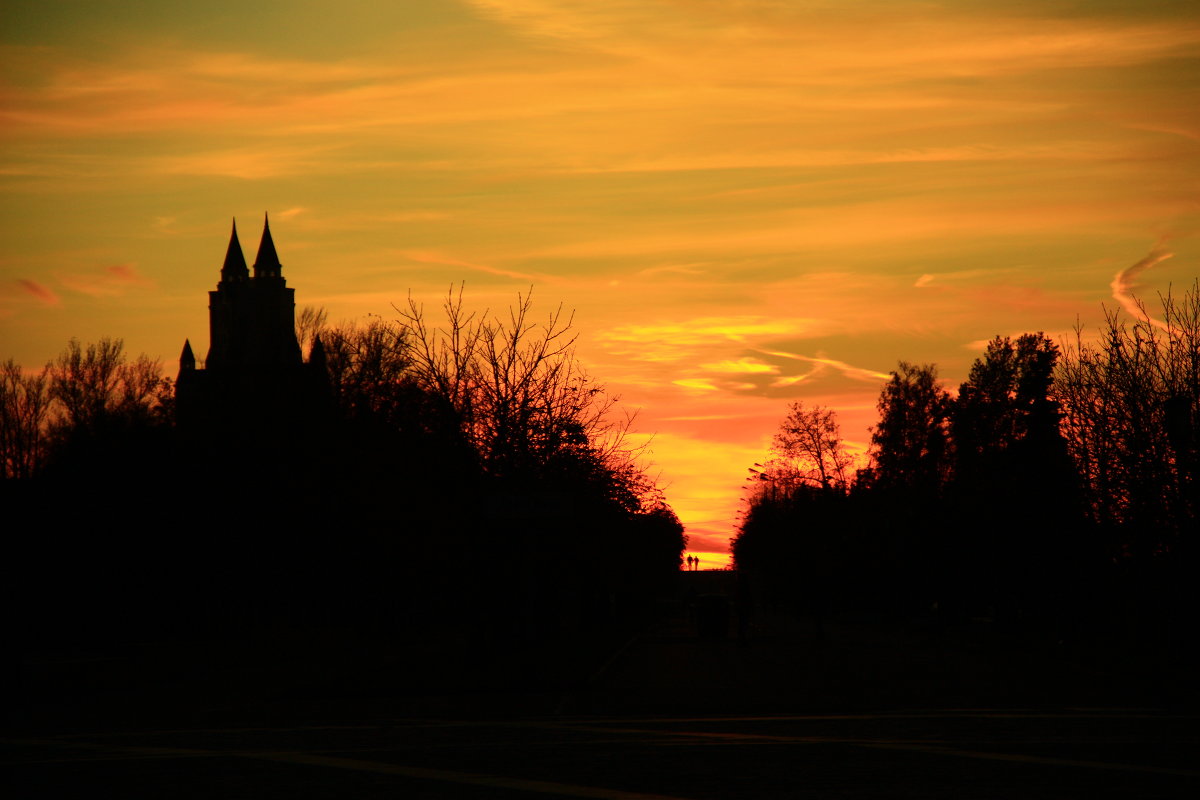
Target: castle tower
[252,320]
[254,362]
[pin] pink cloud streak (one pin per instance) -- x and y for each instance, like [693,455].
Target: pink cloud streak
[43,293]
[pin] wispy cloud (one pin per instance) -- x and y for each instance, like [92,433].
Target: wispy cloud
[1125,281]
[682,339]
[105,281]
[780,158]
[43,293]
[741,366]
[414,216]
[827,43]
[251,162]
[164,224]
[697,384]
[849,370]
[674,269]
[449,261]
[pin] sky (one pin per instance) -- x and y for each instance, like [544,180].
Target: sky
[745,204]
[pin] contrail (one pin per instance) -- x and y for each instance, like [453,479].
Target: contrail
[1123,283]
[849,370]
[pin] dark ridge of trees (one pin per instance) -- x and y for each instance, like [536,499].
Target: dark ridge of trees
[466,482]
[1056,492]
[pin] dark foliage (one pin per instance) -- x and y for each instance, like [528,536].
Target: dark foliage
[911,444]
[1056,493]
[462,483]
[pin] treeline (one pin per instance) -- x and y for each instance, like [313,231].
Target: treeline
[1055,491]
[454,480]
[88,398]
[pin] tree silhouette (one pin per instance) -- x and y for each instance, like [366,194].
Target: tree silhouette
[910,444]
[793,542]
[1005,399]
[91,400]
[1131,405]
[486,430]
[1012,477]
[809,444]
[519,395]
[97,384]
[1131,419]
[24,405]
[368,366]
[311,323]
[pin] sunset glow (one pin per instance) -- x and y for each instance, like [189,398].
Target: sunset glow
[744,204]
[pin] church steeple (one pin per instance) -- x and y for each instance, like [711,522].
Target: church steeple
[266,263]
[234,268]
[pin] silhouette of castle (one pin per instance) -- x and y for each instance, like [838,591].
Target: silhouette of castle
[254,376]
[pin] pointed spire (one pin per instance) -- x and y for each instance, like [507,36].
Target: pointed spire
[316,354]
[234,268]
[187,359]
[266,263]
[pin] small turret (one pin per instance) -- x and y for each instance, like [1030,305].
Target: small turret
[266,263]
[316,355]
[187,359]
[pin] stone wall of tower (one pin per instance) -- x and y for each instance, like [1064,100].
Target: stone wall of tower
[252,325]
[252,320]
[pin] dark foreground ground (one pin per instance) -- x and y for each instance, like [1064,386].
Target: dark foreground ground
[865,711]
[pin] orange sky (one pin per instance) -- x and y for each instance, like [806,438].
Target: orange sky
[745,203]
